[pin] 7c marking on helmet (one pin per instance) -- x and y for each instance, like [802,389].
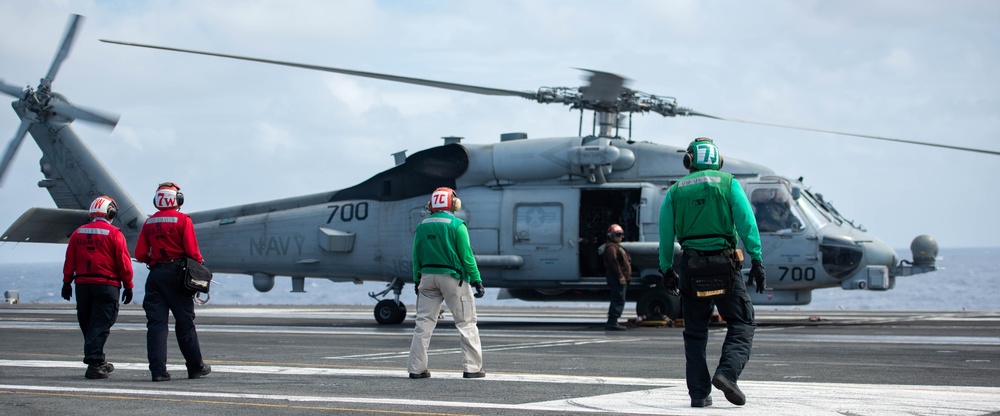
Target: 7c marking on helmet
[444,199]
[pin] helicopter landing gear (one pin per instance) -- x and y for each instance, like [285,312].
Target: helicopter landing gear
[390,311]
[656,302]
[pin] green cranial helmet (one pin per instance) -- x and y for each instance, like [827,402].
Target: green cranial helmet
[702,154]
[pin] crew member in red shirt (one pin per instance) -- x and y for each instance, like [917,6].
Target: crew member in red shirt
[167,239]
[97,259]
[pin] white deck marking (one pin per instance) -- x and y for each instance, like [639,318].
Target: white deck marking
[653,395]
[492,348]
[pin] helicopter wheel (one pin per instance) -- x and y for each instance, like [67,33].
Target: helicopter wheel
[657,303]
[388,312]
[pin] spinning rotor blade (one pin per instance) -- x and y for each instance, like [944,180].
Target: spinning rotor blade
[604,86]
[80,113]
[63,52]
[406,80]
[888,139]
[22,130]
[11,90]
[605,93]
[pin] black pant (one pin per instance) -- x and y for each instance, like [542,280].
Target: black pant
[738,313]
[97,311]
[617,299]
[164,293]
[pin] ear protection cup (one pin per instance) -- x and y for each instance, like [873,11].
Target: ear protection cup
[112,211]
[180,198]
[687,159]
[456,203]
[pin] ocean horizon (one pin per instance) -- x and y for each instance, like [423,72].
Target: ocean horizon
[967,279]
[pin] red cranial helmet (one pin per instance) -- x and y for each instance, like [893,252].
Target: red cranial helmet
[444,199]
[616,230]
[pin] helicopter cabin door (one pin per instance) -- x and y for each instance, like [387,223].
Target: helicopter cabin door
[540,226]
[599,208]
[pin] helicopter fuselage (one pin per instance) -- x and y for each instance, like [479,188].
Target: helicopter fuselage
[536,226]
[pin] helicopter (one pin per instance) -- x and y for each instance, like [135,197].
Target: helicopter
[537,208]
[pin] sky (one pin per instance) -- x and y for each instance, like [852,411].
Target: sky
[233,132]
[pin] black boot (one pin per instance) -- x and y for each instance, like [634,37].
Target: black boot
[613,325]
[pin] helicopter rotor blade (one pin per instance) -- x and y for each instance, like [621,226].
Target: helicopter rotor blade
[386,77]
[22,131]
[63,52]
[11,89]
[866,136]
[81,113]
[603,86]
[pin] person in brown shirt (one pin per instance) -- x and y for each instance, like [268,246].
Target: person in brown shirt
[619,275]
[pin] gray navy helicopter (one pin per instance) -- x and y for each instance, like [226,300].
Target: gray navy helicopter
[537,209]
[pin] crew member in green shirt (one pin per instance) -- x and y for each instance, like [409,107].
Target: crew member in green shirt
[707,211]
[444,269]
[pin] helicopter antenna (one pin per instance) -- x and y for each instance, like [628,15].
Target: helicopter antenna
[605,94]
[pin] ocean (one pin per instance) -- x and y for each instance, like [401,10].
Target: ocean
[966,279]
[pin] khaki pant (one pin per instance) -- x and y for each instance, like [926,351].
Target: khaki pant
[435,288]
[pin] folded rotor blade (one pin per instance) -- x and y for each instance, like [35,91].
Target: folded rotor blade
[67,43]
[80,113]
[22,131]
[407,80]
[11,90]
[888,139]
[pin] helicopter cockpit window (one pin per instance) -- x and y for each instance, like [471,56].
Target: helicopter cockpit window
[537,224]
[773,209]
[812,211]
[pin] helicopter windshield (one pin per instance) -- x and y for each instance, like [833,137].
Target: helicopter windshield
[773,210]
[812,210]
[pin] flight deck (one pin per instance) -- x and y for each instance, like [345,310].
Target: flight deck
[539,361]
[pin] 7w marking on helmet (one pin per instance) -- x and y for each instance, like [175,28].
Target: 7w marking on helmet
[168,196]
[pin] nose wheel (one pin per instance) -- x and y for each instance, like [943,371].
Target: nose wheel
[390,311]
[657,303]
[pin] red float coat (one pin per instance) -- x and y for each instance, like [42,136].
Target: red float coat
[167,235]
[98,254]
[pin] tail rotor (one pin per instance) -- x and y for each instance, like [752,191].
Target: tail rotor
[41,105]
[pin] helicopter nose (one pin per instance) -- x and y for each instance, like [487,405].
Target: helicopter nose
[878,253]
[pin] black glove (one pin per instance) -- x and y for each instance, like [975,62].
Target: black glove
[127,296]
[670,282]
[67,291]
[480,290]
[757,276]
[416,288]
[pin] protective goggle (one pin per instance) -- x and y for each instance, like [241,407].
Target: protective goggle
[620,235]
[168,185]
